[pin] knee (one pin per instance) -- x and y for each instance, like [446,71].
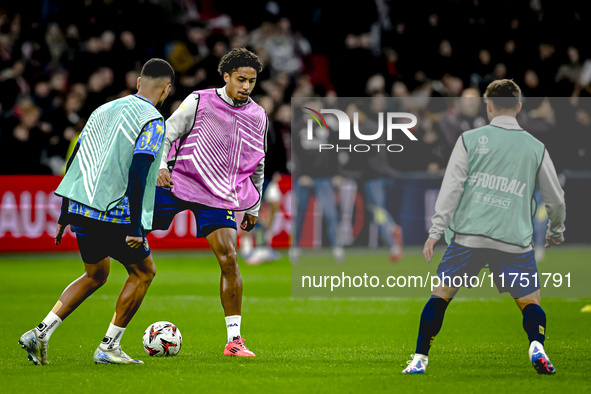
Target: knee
[228,260]
[525,302]
[98,278]
[444,292]
[148,274]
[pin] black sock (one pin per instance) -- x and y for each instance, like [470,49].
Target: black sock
[534,323]
[431,321]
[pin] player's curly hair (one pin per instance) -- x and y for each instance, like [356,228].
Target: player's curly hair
[504,93]
[239,57]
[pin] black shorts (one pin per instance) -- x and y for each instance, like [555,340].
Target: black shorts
[98,240]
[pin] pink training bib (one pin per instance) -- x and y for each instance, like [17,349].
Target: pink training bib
[215,162]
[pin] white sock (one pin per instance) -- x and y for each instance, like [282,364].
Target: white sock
[233,326]
[113,337]
[47,327]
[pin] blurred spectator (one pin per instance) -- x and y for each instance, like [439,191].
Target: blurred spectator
[285,49]
[481,70]
[538,117]
[24,144]
[128,56]
[317,174]
[99,89]
[42,94]
[218,47]
[546,68]
[62,124]
[56,42]
[531,84]
[196,44]
[354,67]
[66,64]
[370,174]
[568,73]
[469,115]
[442,62]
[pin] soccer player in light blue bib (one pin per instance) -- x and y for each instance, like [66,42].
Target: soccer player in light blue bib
[108,198]
[487,202]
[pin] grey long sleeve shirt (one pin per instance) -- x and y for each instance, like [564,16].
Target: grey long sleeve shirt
[453,187]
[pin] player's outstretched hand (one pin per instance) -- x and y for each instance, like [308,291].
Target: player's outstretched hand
[134,242]
[59,232]
[553,242]
[248,222]
[428,249]
[164,178]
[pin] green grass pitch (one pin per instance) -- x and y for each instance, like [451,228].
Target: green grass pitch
[302,345]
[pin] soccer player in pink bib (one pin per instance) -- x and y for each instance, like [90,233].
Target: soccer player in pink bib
[213,165]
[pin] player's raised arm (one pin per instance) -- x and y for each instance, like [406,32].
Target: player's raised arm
[553,197]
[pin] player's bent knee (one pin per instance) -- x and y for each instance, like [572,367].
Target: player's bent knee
[144,271]
[99,279]
[145,277]
[445,292]
[532,298]
[228,261]
[148,274]
[98,276]
[228,258]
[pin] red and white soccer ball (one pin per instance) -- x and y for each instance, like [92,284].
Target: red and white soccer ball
[162,339]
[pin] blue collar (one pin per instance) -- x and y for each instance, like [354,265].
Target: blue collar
[142,97]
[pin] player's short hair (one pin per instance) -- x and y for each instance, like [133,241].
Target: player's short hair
[504,94]
[157,68]
[239,57]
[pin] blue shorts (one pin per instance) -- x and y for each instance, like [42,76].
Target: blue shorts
[167,205]
[98,240]
[459,260]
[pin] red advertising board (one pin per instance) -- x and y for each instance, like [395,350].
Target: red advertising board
[29,211]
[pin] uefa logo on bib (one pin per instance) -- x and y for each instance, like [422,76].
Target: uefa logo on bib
[483,149]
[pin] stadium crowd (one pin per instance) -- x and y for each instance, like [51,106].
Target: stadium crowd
[59,60]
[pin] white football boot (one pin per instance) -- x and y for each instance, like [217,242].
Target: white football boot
[37,350]
[417,365]
[113,356]
[540,360]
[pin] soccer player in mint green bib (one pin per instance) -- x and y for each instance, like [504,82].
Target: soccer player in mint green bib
[108,198]
[487,201]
